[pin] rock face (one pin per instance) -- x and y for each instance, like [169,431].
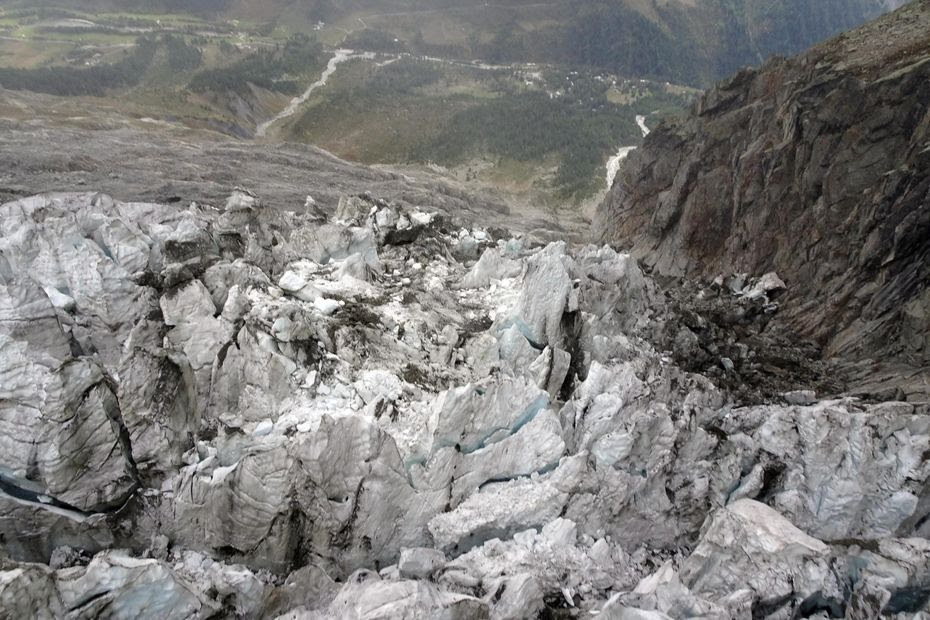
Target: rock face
[249,412]
[815,167]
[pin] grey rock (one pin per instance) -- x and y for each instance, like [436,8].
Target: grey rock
[814,167]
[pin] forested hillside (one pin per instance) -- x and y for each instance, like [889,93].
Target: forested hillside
[681,41]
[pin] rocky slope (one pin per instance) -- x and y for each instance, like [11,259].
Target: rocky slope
[243,411]
[59,144]
[815,167]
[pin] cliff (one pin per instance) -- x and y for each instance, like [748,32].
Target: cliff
[816,167]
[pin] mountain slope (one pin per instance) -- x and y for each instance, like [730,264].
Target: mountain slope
[681,41]
[817,167]
[696,43]
[677,40]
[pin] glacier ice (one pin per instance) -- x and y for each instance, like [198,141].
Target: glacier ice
[251,412]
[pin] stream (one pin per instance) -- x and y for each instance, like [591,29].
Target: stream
[613,164]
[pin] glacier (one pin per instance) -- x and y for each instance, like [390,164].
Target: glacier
[245,411]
